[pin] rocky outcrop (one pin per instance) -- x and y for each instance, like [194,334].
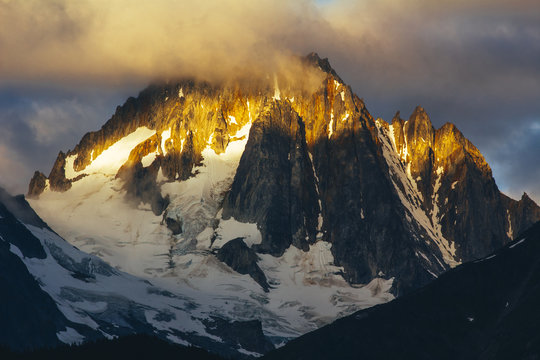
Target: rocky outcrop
[520,215]
[140,181]
[243,260]
[57,177]
[37,185]
[175,225]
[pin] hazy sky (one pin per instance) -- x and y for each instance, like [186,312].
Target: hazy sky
[66,65]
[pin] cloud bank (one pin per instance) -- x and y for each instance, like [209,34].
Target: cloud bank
[120,40]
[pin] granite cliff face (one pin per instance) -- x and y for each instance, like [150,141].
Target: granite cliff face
[400,200]
[457,187]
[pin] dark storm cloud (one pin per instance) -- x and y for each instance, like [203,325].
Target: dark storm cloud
[474,63]
[37,123]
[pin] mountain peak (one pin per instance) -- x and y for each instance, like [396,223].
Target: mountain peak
[314,59]
[297,176]
[418,110]
[420,115]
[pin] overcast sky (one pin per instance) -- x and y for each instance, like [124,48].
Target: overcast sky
[66,65]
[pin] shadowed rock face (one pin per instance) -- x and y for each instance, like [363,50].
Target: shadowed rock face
[30,318]
[457,184]
[37,185]
[520,214]
[243,260]
[274,185]
[400,200]
[57,177]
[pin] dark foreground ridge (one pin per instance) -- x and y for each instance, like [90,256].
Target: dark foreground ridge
[129,347]
[486,309]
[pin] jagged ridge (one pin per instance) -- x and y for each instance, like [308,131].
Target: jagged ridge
[400,201]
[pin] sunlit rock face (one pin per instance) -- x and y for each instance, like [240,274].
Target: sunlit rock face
[337,211]
[457,187]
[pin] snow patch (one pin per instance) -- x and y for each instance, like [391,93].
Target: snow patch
[510,232]
[324,293]
[165,135]
[111,159]
[331,125]
[516,244]
[231,229]
[70,336]
[147,160]
[232,120]
[15,250]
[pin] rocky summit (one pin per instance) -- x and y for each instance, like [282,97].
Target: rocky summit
[277,200]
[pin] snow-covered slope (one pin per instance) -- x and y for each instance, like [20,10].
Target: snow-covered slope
[96,300]
[307,289]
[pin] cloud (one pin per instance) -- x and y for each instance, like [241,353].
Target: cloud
[523,169]
[115,41]
[35,125]
[403,44]
[13,169]
[49,122]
